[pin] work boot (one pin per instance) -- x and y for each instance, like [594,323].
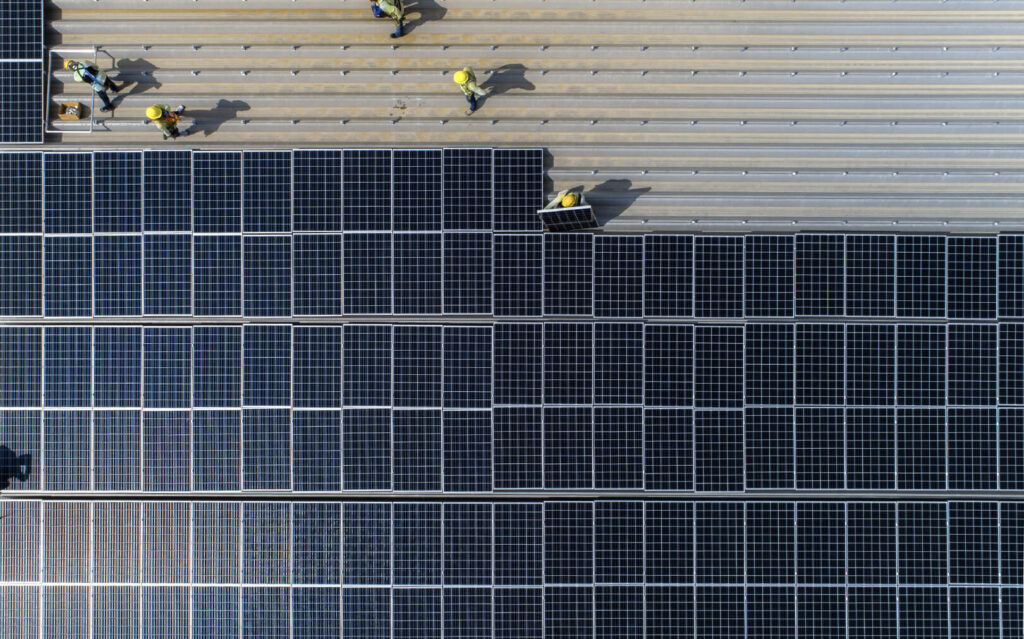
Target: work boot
[106,109]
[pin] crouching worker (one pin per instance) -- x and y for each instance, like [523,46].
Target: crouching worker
[567,199]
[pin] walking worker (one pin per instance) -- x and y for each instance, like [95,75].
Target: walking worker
[392,9]
[466,80]
[567,199]
[165,119]
[94,76]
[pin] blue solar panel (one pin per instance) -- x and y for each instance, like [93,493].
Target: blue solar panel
[518,612]
[921,448]
[367,365]
[668,275]
[166,367]
[266,446]
[417,613]
[468,544]
[770,448]
[569,612]
[468,190]
[217,367]
[668,449]
[266,612]
[68,366]
[668,542]
[217,446]
[266,376]
[619,542]
[1011,364]
[317,456]
[366,613]
[167,274]
[167,190]
[518,544]
[568,542]
[718,367]
[21,275]
[417,190]
[568,274]
[768,370]
[216,543]
[21,176]
[215,612]
[317,274]
[517,447]
[468,273]
[316,612]
[22,432]
[468,613]
[166,441]
[117,275]
[972,440]
[217,189]
[718,450]
[518,275]
[316,544]
[417,555]
[267,196]
[366,190]
[971,277]
[467,451]
[820,279]
[165,542]
[920,276]
[870,448]
[718,276]
[68,276]
[366,449]
[618,276]
[467,367]
[266,532]
[316,190]
[316,377]
[218,275]
[366,549]
[267,276]
[668,365]
[417,366]
[21,23]
[117,192]
[618,364]
[418,259]
[518,189]
[870,275]
[1011,448]
[65,547]
[518,362]
[972,362]
[568,363]
[68,185]
[21,102]
[768,275]
[871,543]
[568,447]
[417,449]
[117,370]
[1010,274]
[820,438]
[116,541]
[367,273]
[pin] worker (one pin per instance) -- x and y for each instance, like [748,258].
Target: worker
[94,76]
[567,199]
[165,119]
[466,80]
[393,9]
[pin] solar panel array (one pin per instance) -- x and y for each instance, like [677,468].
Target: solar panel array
[21,71]
[540,434]
[511,569]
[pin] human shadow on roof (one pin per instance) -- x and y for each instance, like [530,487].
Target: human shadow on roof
[11,465]
[138,73]
[425,10]
[508,77]
[209,120]
[612,197]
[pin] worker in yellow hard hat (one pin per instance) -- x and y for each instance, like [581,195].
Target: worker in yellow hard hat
[567,199]
[165,119]
[392,9]
[466,80]
[92,75]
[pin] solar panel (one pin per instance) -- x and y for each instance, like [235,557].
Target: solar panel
[568,363]
[668,365]
[416,180]
[21,176]
[267,276]
[768,364]
[366,547]
[216,543]
[316,436]
[267,450]
[417,550]
[561,220]
[117,436]
[517,447]
[21,23]
[217,367]
[518,189]
[468,544]
[718,276]
[117,275]
[417,271]
[820,275]
[316,374]
[920,276]
[668,449]
[68,185]
[67,268]
[618,276]
[870,360]
[820,364]
[165,542]
[216,450]
[1010,274]
[971,357]
[367,365]
[366,190]
[718,366]
[217,263]
[266,531]
[265,612]
[317,274]
[971,275]
[468,273]
[267,196]
[316,190]
[316,612]
[21,101]
[718,450]
[921,448]
[22,432]
[468,190]
[820,441]
[316,545]
[166,441]
[366,449]
[618,363]
[568,274]
[668,275]
[417,366]
[769,448]
[417,449]
[518,361]
[518,275]
[167,274]
[217,190]
[215,611]
[870,448]
[718,542]
[167,190]
[67,366]
[417,612]
[618,447]
[117,192]
[568,447]
[21,274]
[768,275]
[467,451]
[467,367]
[116,611]
[367,268]
[870,275]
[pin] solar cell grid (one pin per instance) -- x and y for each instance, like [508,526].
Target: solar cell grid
[467,451]
[116,611]
[21,275]
[417,272]
[167,190]
[921,448]
[768,364]
[972,440]
[366,190]
[316,612]
[366,546]
[971,273]
[67,184]
[568,543]
[769,448]
[267,365]
[417,190]
[266,449]
[65,543]
[67,266]
[366,358]
[1011,448]
[217,189]
[67,382]
[870,275]
[618,276]
[718,276]
[216,450]
[718,549]
[870,364]
[518,275]
[468,544]
[418,366]
[920,276]
[921,362]
[619,542]
[768,275]
[668,449]
[518,189]
[366,449]
[618,447]
[922,543]
[216,542]
[417,613]
[167,274]
[518,544]
[267,196]
[618,364]
[316,543]
[117,192]
[218,275]
[267,276]
[165,542]
[568,447]
[468,190]
[316,436]
[1010,275]
[568,274]
[21,93]
[166,441]
[718,366]
[367,268]
[972,364]
[718,450]
[820,278]
[468,273]
[317,352]
[871,543]
[66,450]
[1011,364]
[266,553]
[417,450]
[316,190]
[820,543]
[117,275]
[417,550]
[870,448]
[21,177]
[116,439]
[517,447]
[568,363]
[668,275]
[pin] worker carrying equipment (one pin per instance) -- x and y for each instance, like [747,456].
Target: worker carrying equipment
[92,75]
[392,9]
[567,199]
[466,80]
[165,119]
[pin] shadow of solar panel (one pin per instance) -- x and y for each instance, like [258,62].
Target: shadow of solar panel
[366,190]
[117,275]
[468,544]
[67,266]
[518,189]
[117,192]
[218,275]
[418,550]
[568,447]
[768,275]
[920,276]
[167,190]
[619,542]
[267,276]
[167,274]
[267,192]
[417,178]
[717,276]
[417,449]
[316,376]
[366,547]
[21,102]
[366,449]
[266,541]
[217,190]
[418,259]
[417,366]
[21,275]
[368,273]
[22,432]
[618,276]
[468,273]
[316,436]
[117,437]
[68,185]
[267,450]
[467,451]
[217,367]
[21,178]
[468,190]
[316,543]
[518,544]
[316,190]
[577,218]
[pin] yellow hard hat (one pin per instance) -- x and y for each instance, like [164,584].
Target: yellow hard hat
[461,77]
[154,112]
[68,64]
[569,199]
